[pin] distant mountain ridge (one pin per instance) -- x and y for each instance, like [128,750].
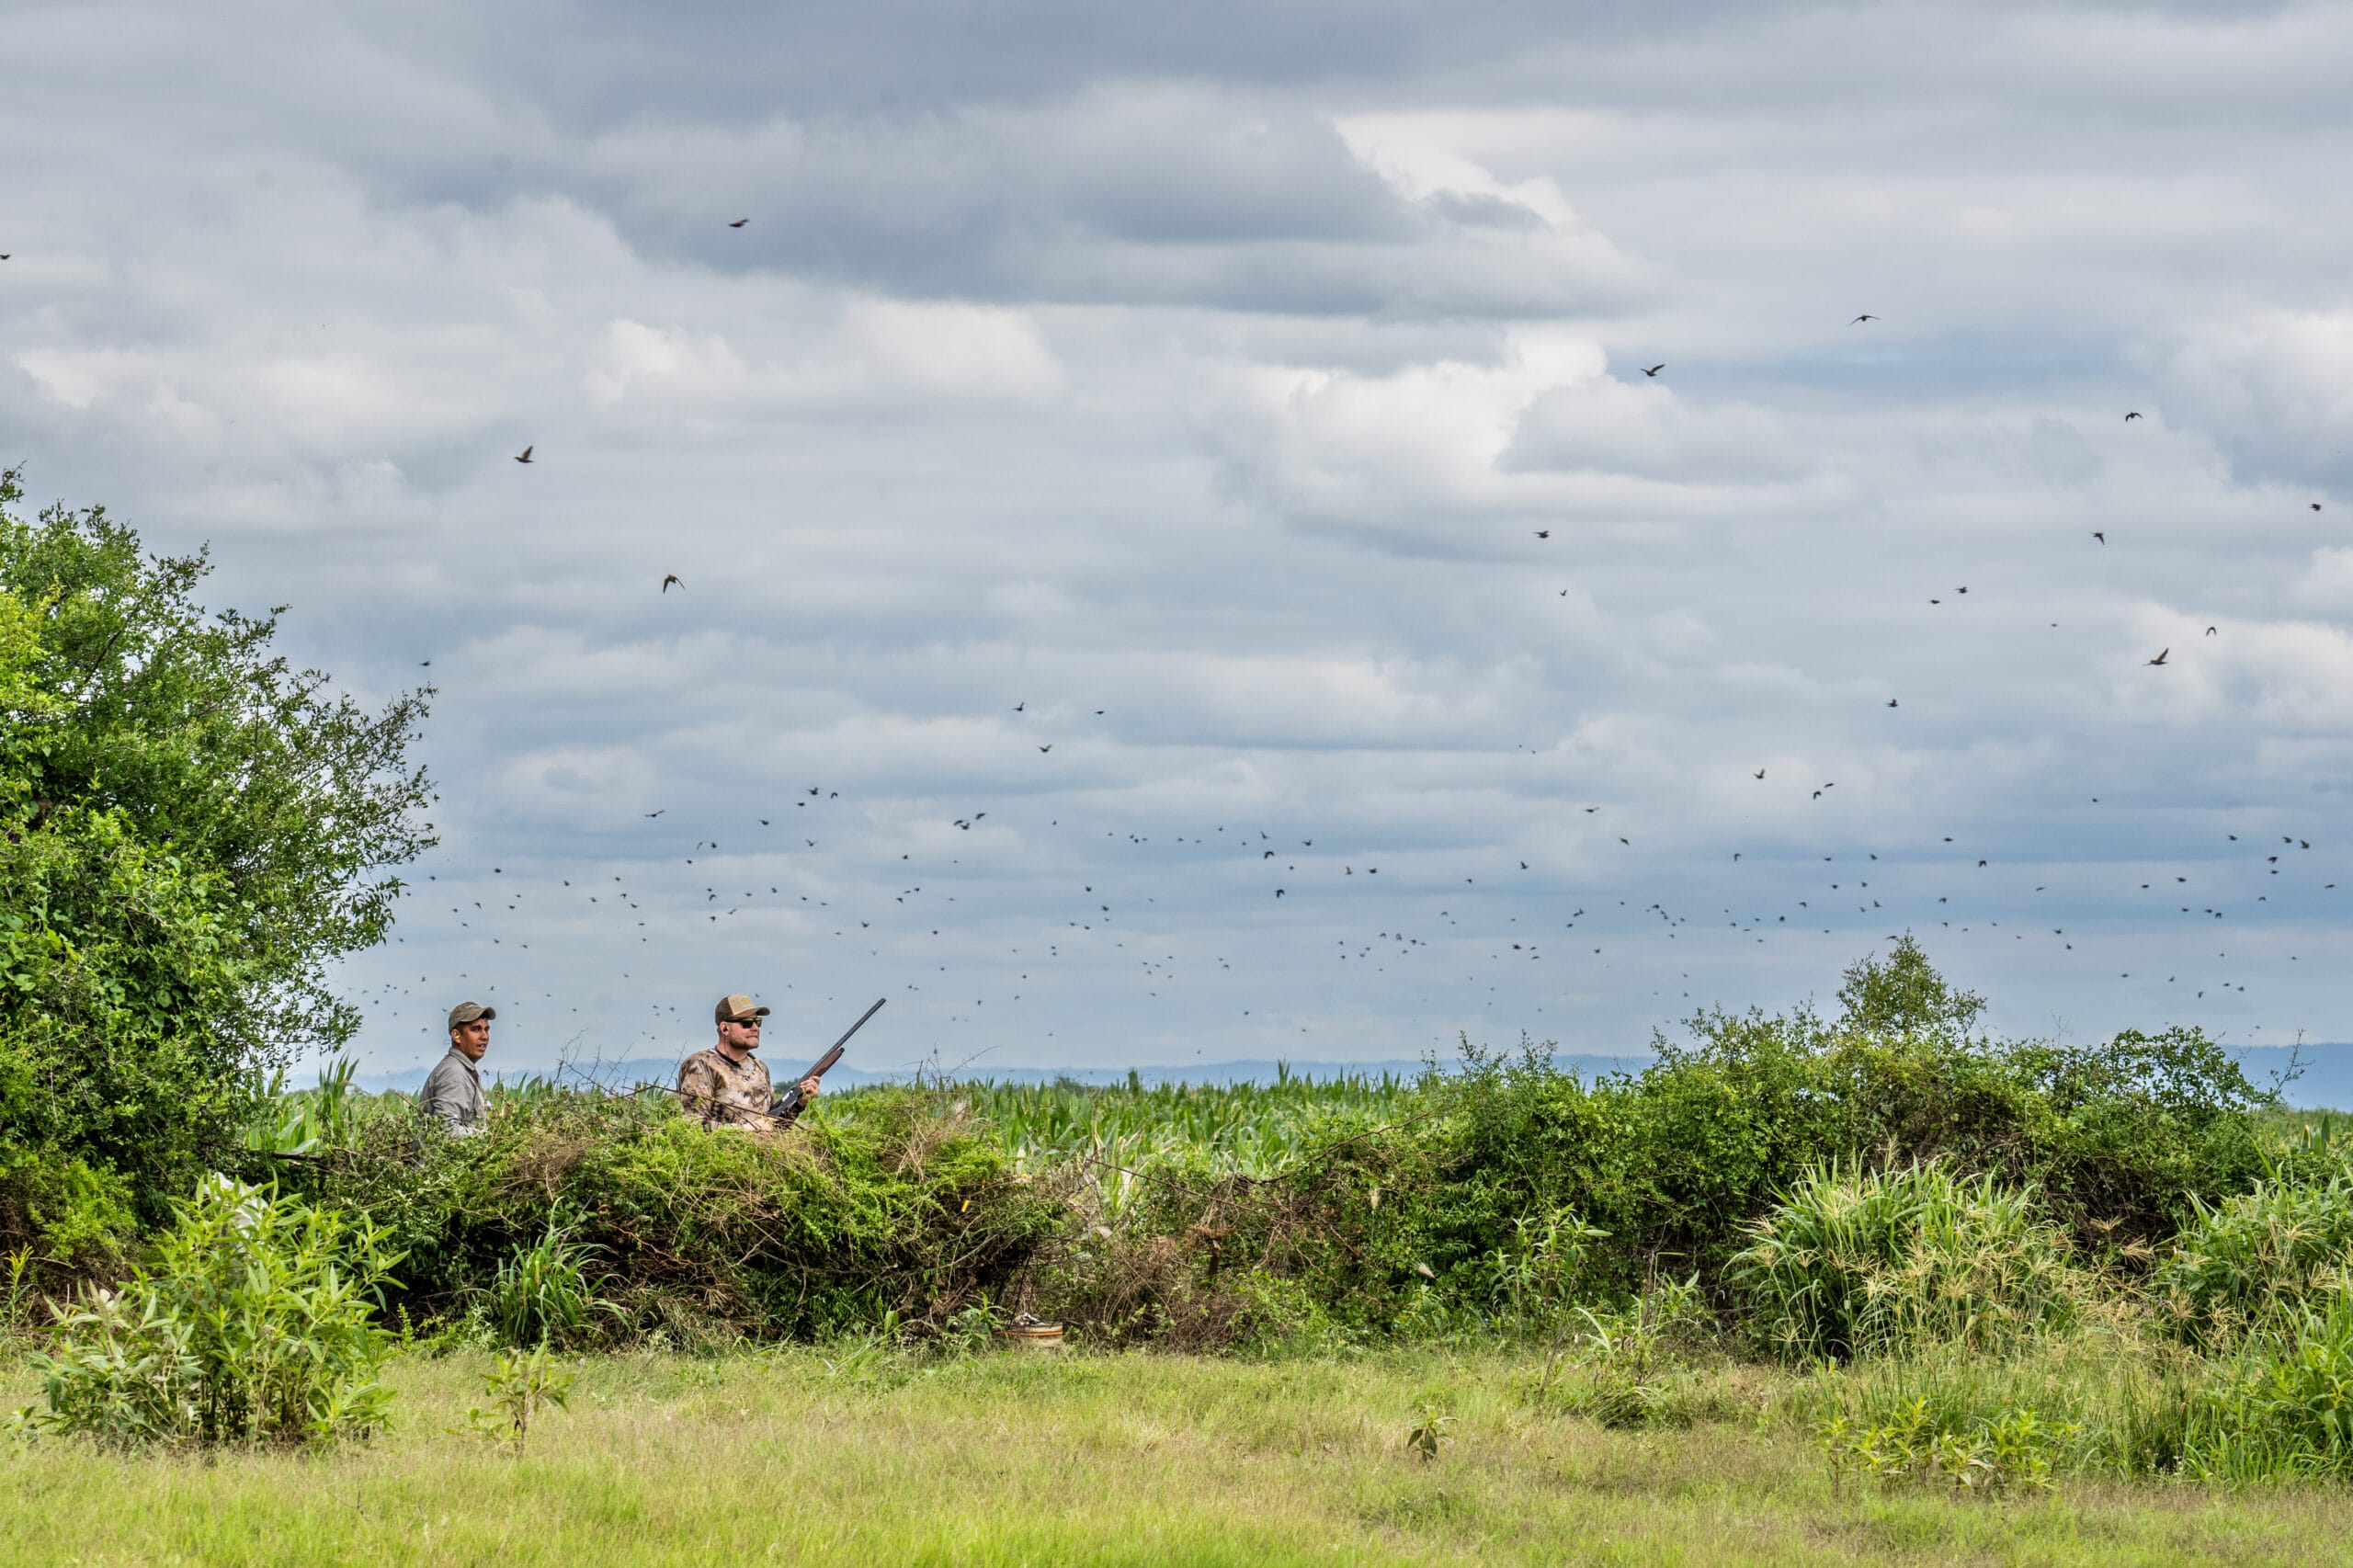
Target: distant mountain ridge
[2325,1080]
[664,1071]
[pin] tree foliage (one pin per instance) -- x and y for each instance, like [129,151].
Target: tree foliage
[191,830]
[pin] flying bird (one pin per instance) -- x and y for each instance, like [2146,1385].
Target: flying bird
[2315,504]
[739,222]
[1543,533]
[526,454]
[2099,536]
[1864,317]
[2134,414]
[2209,631]
[671,577]
[1760,773]
[2161,657]
[1654,369]
[1043,749]
[1890,703]
[1020,705]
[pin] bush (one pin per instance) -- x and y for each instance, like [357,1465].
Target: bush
[58,1209]
[251,1325]
[2238,1263]
[1673,1163]
[1852,1264]
[892,1205]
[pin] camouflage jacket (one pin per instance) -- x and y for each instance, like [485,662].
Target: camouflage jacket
[726,1093]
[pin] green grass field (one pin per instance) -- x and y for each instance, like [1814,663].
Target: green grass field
[1023,1457]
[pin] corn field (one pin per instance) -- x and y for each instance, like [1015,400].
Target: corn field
[1116,1130]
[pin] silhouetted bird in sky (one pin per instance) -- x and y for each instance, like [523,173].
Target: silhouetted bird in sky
[671,577]
[2161,657]
[525,455]
[739,222]
[2099,536]
[1654,369]
[1045,748]
[1864,317]
[2134,414]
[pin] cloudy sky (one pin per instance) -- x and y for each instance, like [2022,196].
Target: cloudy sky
[1181,558]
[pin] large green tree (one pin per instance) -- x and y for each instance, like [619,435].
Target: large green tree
[191,832]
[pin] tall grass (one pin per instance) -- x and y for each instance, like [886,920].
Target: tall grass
[1854,1264]
[2239,1261]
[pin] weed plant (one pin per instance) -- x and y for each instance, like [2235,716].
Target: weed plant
[252,1324]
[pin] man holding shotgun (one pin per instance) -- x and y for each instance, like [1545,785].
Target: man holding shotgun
[727,1085]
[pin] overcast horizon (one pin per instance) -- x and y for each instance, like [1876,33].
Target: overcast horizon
[1179,553]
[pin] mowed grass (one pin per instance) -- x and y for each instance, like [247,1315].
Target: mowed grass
[1033,1459]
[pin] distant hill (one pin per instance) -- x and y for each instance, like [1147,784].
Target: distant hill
[664,1071]
[2325,1071]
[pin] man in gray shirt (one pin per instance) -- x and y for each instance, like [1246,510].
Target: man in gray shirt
[452,1092]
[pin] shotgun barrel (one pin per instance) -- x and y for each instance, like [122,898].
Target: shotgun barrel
[788,1102]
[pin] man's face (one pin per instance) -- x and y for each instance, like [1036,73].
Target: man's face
[471,1040]
[740,1034]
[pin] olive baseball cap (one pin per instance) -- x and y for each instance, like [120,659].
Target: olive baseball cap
[467,1012]
[734,1009]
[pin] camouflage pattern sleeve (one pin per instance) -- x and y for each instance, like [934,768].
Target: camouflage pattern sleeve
[699,1086]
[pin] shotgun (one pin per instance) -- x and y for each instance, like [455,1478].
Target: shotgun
[788,1102]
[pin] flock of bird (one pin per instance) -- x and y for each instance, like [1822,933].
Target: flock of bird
[1457,926]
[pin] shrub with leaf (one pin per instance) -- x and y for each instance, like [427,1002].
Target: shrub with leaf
[252,1323]
[1854,1264]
